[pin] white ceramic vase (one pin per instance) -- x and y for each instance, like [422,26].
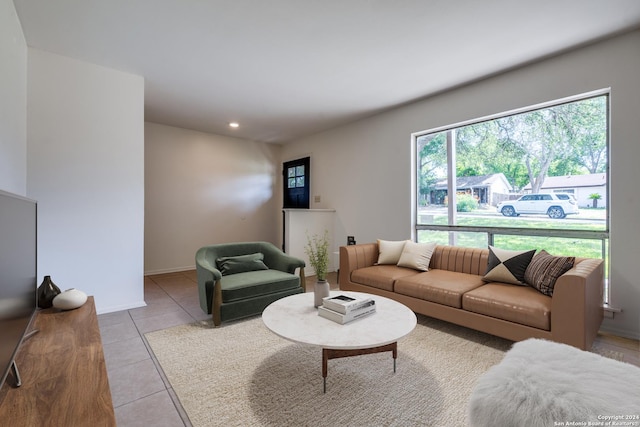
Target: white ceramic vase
[69,299]
[320,290]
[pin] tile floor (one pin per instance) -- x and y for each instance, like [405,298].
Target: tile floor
[141,394]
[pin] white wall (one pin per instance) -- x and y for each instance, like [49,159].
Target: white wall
[363,169]
[86,170]
[203,189]
[13,102]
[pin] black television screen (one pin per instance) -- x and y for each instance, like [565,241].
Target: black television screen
[18,276]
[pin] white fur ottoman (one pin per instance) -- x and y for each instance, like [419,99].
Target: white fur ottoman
[543,383]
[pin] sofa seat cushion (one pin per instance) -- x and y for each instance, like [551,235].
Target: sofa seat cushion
[381,276]
[439,286]
[513,303]
[254,283]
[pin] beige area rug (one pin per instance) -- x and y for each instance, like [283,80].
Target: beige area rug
[241,374]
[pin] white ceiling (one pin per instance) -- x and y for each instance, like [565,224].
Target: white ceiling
[289,68]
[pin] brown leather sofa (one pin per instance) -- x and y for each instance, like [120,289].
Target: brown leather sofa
[453,290]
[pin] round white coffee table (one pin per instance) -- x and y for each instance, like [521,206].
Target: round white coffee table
[295,319]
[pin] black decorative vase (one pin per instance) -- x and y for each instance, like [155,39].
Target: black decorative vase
[47,292]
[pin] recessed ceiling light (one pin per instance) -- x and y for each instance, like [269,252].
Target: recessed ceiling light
[234,125]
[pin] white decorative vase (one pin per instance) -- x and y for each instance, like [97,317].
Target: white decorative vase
[69,299]
[320,290]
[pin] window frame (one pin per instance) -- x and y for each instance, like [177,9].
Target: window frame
[602,235]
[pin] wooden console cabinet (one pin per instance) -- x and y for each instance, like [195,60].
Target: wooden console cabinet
[63,371]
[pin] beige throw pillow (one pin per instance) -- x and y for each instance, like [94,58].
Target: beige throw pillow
[417,255]
[389,251]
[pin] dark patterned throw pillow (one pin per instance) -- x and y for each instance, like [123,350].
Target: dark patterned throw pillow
[507,266]
[544,270]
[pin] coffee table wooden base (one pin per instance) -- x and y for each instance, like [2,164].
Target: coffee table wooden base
[330,353]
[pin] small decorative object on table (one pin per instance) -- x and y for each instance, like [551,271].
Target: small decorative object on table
[69,299]
[321,290]
[47,291]
[343,308]
[345,304]
[317,250]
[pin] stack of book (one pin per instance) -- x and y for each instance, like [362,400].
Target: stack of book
[343,309]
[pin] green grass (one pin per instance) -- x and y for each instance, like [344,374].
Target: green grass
[522,222]
[554,245]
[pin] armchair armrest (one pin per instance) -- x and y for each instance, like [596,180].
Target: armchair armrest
[208,268]
[289,264]
[208,276]
[286,263]
[278,260]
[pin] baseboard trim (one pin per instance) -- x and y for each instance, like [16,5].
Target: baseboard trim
[624,333]
[113,309]
[169,270]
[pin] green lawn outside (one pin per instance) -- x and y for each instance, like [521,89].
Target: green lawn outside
[553,245]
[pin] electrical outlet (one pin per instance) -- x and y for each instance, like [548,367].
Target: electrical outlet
[316,199]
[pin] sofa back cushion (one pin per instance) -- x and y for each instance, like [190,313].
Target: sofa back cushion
[460,259]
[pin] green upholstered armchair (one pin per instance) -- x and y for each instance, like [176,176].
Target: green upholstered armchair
[237,280]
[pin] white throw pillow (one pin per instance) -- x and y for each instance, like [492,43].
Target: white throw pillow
[417,255]
[389,251]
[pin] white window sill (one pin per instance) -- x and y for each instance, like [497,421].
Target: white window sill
[609,312]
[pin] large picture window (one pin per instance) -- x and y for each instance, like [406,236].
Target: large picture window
[535,178]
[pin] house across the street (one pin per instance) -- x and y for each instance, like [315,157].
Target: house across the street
[487,189]
[581,186]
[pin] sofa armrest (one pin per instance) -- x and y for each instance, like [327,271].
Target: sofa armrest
[577,304]
[353,257]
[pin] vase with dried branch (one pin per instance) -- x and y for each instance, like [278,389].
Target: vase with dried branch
[317,250]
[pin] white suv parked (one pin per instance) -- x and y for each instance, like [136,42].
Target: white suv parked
[556,205]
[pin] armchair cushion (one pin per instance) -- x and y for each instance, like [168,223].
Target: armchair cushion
[241,263]
[239,286]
